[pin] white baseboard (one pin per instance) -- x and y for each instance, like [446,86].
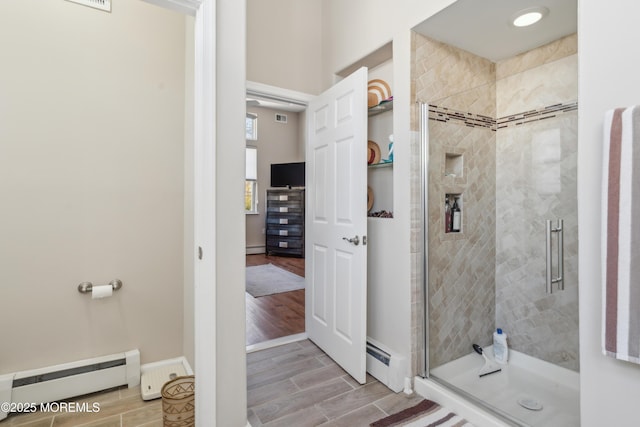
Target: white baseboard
[276,342]
[255,250]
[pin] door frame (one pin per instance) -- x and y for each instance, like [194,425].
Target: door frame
[204,201]
[279,94]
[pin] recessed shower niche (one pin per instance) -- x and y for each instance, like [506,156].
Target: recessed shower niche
[453,213]
[453,169]
[453,164]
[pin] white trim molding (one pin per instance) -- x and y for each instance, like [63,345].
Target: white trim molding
[205,129]
[188,7]
[204,184]
[278,94]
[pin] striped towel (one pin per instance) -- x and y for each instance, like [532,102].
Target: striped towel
[426,413]
[621,235]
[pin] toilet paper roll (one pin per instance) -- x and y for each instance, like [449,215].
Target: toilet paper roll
[101,291]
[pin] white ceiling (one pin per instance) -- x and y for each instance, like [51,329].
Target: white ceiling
[483,27]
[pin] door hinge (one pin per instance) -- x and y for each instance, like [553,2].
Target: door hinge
[199,252]
[364,240]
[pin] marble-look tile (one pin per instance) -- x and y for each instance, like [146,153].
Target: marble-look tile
[467,273]
[550,52]
[442,70]
[461,265]
[479,100]
[552,83]
[541,325]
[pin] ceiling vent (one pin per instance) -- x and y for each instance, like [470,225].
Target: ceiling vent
[281,118]
[96,4]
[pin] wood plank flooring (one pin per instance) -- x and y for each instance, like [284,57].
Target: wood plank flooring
[118,407]
[298,385]
[279,315]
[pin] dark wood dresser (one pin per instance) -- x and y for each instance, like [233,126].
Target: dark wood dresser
[285,222]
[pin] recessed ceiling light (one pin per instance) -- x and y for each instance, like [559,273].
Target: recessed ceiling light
[530,16]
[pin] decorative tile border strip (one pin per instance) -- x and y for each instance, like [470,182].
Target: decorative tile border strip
[536,115]
[443,114]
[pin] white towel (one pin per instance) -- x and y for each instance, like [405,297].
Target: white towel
[621,234]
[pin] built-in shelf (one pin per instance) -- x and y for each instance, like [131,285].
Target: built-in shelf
[454,198]
[380,165]
[383,107]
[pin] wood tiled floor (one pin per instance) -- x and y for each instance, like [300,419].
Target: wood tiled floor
[298,385]
[279,315]
[122,407]
[294,385]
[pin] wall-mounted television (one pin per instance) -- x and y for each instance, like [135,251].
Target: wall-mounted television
[287,174]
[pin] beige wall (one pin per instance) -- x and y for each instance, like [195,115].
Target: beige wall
[300,45]
[92,108]
[188,338]
[284,44]
[277,143]
[354,29]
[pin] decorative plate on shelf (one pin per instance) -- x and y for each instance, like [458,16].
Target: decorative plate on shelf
[369,198]
[377,91]
[373,153]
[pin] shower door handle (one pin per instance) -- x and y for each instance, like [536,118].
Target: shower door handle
[559,229]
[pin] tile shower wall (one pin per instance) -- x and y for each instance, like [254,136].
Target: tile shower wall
[461,265]
[501,117]
[536,181]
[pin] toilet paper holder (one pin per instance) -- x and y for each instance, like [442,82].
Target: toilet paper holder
[87,287]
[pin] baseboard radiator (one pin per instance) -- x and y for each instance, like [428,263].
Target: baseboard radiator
[70,379]
[386,366]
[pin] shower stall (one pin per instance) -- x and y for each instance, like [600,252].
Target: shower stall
[499,152]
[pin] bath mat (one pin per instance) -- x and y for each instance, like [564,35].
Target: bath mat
[425,413]
[268,280]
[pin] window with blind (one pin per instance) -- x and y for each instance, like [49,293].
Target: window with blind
[251,181]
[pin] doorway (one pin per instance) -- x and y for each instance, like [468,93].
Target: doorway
[278,138]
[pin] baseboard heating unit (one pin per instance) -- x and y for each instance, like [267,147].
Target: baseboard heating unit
[386,366]
[70,379]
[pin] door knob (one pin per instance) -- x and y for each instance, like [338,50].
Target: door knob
[354,240]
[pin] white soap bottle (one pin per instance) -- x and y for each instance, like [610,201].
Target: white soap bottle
[500,348]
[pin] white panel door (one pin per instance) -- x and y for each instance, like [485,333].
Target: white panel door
[336,268]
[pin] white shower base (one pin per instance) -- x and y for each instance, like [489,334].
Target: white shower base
[556,388]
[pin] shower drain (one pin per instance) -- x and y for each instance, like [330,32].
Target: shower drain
[530,403]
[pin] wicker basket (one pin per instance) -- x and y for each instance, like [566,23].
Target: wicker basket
[178,402]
